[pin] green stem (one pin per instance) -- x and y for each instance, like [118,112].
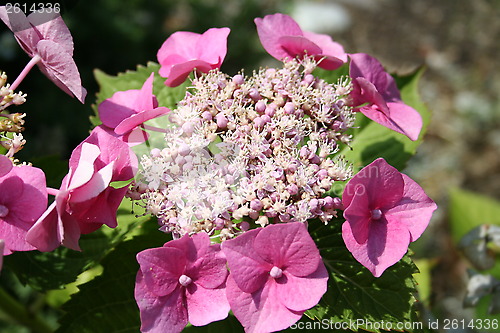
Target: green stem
[21,315]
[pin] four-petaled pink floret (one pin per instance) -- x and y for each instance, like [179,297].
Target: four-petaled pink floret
[283,38]
[276,275]
[181,282]
[385,210]
[184,52]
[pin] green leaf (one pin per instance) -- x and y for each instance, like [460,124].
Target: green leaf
[107,304]
[354,294]
[372,140]
[469,210]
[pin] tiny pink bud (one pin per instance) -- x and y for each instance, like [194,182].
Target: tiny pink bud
[254,94]
[221,120]
[256,204]
[260,106]
[206,115]
[184,149]
[155,152]
[293,189]
[238,79]
[244,226]
[187,128]
[289,108]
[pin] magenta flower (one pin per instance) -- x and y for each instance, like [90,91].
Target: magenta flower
[385,210]
[184,52]
[5,165]
[276,274]
[86,199]
[23,199]
[283,38]
[127,111]
[376,95]
[181,282]
[46,39]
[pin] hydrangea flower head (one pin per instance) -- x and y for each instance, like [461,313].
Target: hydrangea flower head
[283,38]
[378,98]
[276,274]
[2,246]
[86,200]
[184,52]
[23,199]
[385,210]
[181,282]
[127,110]
[45,36]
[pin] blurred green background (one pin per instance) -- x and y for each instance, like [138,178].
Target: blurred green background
[456,40]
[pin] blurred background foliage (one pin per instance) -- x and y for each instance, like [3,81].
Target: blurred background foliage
[455,40]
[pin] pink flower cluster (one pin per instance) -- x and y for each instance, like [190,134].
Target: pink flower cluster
[275,275]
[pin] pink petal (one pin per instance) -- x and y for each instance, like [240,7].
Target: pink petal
[333,51]
[180,72]
[99,210]
[407,119]
[120,106]
[159,314]
[179,47]
[271,28]
[386,245]
[366,66]
[97,184]
[5,165]
[50,26]
[85,168]
[146,100]
[135,137]
[60,68]
[298,46]
[45,234]
[302,293]
[358,215]
[414,210]
[132,122]
[206,305]
[262,310]
[372,179]
[23,30]
[161,268]
[247,268]
[288,246]
[33,201]
[209,269]
[211,47]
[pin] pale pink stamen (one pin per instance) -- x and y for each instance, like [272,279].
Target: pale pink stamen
[276,272]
